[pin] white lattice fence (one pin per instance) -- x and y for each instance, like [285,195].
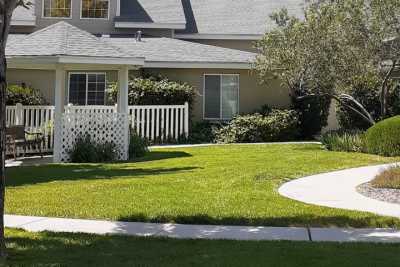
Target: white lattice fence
[102,127]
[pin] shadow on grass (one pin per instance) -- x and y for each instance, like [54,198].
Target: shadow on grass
[305,220]
[161,155]
[53,173]
[64,249]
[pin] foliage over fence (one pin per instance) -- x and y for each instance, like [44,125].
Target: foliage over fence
[157,91]
[24,95]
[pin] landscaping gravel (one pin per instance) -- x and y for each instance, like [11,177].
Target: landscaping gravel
[383,194]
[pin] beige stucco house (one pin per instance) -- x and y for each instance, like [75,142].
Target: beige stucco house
[206,43]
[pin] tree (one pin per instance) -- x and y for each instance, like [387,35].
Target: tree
[336,45]
[7,8]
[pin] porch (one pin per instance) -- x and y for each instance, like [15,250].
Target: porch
[82,67]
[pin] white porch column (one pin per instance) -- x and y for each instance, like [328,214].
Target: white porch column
[59,88]
[123,103]
[123,78]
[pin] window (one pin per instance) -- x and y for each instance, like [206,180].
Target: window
[221,96]
[57,8]
[95,9]
[87,88]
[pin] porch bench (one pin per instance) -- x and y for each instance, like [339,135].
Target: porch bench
[17,136]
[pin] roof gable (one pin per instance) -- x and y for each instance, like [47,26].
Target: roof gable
[62,39]
[235,17]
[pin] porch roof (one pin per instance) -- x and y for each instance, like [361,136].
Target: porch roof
[64,43]
[174,53]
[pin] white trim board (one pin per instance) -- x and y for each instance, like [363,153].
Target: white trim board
[23,22]
[197,65]
[200,36]
[149,25]
[32,60]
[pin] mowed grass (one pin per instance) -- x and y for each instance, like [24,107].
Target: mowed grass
[233,184]
[61,249]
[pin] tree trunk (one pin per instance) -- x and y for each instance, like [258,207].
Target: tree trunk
[384,89]
[6,9]
[3,87]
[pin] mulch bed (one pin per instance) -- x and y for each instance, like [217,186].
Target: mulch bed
[383,194]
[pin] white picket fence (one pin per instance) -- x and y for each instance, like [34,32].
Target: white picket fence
[158,123]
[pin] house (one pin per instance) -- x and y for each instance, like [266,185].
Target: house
[206,43]
[72,49]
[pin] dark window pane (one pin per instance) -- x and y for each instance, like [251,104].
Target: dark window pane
[212,97]
[77,89]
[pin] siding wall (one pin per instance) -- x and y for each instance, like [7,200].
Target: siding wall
[244,45]
[95,26]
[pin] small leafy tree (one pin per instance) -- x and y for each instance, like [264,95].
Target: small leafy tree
[335,46]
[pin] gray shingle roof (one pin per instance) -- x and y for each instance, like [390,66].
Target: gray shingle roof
[174,50]
[61,39]
[160,11]
[235,16]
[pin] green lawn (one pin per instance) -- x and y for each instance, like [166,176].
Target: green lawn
[235,184]
[61,249]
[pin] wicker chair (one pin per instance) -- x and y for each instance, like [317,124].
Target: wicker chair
[16,136]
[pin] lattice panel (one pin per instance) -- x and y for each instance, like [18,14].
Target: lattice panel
[102,127]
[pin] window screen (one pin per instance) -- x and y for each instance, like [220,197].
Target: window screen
[221,96]
[212,97]
[57,8]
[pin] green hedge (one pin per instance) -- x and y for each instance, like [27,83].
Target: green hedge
[384,137]
[25,95]
[157,91]
[278,125]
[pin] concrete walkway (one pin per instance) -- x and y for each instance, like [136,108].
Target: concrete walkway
[236,144]
[338,190]
[37,224]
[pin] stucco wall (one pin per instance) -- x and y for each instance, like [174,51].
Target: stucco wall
[43,80]
[244,45]
[251,94]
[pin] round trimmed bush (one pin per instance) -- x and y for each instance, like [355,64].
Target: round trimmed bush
[384,137]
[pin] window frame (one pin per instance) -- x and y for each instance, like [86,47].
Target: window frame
[221,118]
[108,12]
[70,13]
[87,85]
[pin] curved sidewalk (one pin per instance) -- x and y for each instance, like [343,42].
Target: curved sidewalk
[338,190]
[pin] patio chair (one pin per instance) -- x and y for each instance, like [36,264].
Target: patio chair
[16,136]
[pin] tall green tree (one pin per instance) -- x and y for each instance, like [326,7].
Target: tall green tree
[7,8]
[336,45]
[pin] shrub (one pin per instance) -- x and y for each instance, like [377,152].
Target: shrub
[203,132]
[153,91]
[85,150]
[279,125]
[26,96]
[313,113]
[138,146]
[343,141]
[389,178]
[384,137]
